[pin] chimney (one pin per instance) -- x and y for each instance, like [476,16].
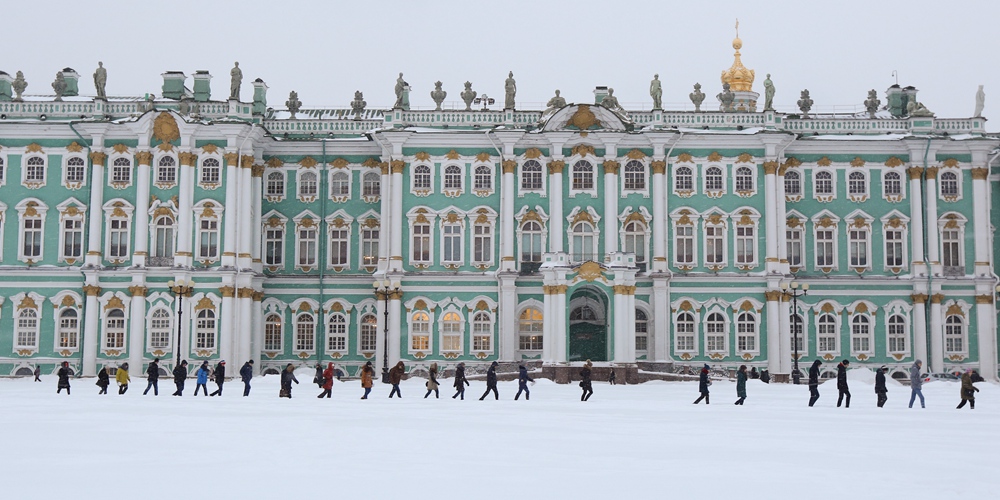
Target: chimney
[600,93]
[173,84]
[259,97]
[202,86]
[5,86]
[72,82]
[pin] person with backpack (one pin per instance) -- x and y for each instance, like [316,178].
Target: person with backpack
[703,383]
[460,381]
[741,385]
[318,378]
[202,383]
[367,378]
[153,377]
[103,380]
[180,375]
[220,377]
[246,374]
[522,382]
[814,382]
[491,382]
[328,375]
[586,383]
[880,389]
[64,373]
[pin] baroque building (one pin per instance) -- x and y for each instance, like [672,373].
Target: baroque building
[648,239]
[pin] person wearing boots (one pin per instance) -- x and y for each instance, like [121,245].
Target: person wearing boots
[916,383]
[180,375]
[968,390]
[246,374]
[395,377]
[103,380]
[741,385]
[121,376]
[814,382]
[219,377]
[432,383]
[287,377]
[367,377]
[202,382]
[842,388]
[64,374]
[460,381]
[586,383]
[880,389]
[328,375]
[318,379]
[522,383]
[153,377]
[703,383]
[491,382]
[38,373]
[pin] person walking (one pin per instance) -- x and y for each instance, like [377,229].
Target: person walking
[395,377]
[246,373]
[327,382]
[491,382]
[968,390]
[522,383]
[880,389]
[916,383]
[318,378]
[103,380]
[814,382]
[741,385]
[586,383]
[219,377]
[202,383]
[153,377]
[180,375]
[703,383]
[432,383]
[38,373]
[367,376]
[460,381]
[842,389]
[64,373]
[611,377]
[121,376]
[287,377]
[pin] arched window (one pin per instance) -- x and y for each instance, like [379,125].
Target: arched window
[584,313]
[482,332]
[163,236]
[793,183]
[892,184]
[420,336]
[69,329]
[583,242]
[824,183]
[336,333]
[35,169]
[422,177]
[860,334]
[744,179]
[369,333]
[276,184]
[531,242]
[683,179]
[114,329]
[583,175]
[826,338]
[954,335]
[166,170]
[529,327]
[897,334]
[210,171]
[746,332]
[75,168]
[371,184]
[641,330]
[27,329]
[949,184]
[684,332]
[204,330]
[305,332]
[635,176]
[452,177]
[715,333]
[857,183]
[451,332]
[307,185]
[272,332]
[635,241]
[531,176]
[340,184]
[484,178]
[713,179]
[798,345]
[160,329]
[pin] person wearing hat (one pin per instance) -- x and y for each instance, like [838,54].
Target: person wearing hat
[395,377]
[432,382]
[328,375]
[180,375]
[842,388]
[153,377]
[916,383]
[703,383]
[220,377]
[814,382]
[741,385]
[491,382]
[103,380]
[586,383]
[121,376]
[287,377]
[367,377]
[460,381]
[522,382]
[64,374]
[246,373]
[880,389]
[968,390]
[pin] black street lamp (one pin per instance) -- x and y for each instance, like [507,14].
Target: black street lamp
[792,291]
[180,289]
[385,290]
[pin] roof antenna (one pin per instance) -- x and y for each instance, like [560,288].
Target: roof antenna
[895,75]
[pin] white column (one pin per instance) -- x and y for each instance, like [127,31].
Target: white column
[932,217]
[785,335]
[91,313]
[771,216]
[620,332]
[508,335]
[245,303]
[981,219]
[556,236]
[137,327]
[257,188]
[95,222]
[507,259]
[780,218]
[562,332]
[986,334]
[916,218]
[228,326]
[610,203]
[231,216]
[257,334]
[773,333]
[661,320]
[936,333]
[395,328]
[141,207]
[548,326]
[380,339]
[185,218]
[659,222]
[245,216]
[920,328]
[396,250]
[386,218]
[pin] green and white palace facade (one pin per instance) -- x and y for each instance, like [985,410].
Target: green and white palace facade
[649,240]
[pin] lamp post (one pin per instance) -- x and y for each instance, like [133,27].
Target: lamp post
[384,290]
[180,289]
[793,292]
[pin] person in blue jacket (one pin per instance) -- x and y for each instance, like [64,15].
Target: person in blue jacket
[522,383]
[202,373]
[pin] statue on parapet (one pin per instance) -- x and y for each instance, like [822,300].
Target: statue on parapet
[509,89]
[402,90]
[438,95]
[293,103]
[656,92]
[101,80]
[19,85]
[468,95]
[768,94]
[697,97]
[872,103]
[980,102]
[610,101]
[358,104]
[726,98]
[237,80]
[556,102]
[917,110]
[805,103]
[59,86]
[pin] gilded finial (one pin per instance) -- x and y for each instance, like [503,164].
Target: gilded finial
[737,76]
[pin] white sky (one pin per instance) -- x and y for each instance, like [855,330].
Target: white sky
[326,50]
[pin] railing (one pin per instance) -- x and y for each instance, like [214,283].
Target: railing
[839,126]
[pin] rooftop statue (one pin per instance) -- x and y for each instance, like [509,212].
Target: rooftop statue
[509,89]
[918,110]
[185,105]
[610,101]
[805,103]
[358,105]
[726,98]
[980,102]
[293,103]
[101,80]
[59,85]
[768,94]
[556,102]
[237,79]
[438,95]
[19,85]
[468,95]
[402,90]
[872,103]
[697,97]
[656,92]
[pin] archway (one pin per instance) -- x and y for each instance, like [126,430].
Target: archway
[588,325]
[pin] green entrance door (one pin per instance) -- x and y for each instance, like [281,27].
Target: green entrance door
[588,327]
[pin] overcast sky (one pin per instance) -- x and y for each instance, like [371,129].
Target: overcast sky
[325,50]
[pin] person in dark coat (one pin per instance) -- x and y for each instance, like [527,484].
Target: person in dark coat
[395,377]
[968,390]
[460,381]
[741,385]
[318,379]
[753,373]
[611,377]
[814,382]
[703,383]
[180,375]
[153,377]
[220,377]
[432,382]
[765,376]
[64,374]
[103,380]
[491,382]
[287,377]
[38,373]
[916,383]
[328,376]
[842,388]
[880,389]
[246,373]
[522,383]
[202,382]
[367,378]
[585,381]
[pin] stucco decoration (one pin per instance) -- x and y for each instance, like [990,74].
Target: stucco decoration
[584,117]
[165,128]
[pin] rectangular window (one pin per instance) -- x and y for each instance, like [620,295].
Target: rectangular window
[951,255]
[482,243]
[685,336]
[422,243]
[338,247]
[274,246]
[452,251]
[32,238]
[714,245]
[793,240]
[824,248]
[208,247]
[531,245]
[827,336]
[894,248]
[745,243]
[684,245]
[859,247]
[307,247]
[119,234]
[451,334]
[369,246]
[73,238]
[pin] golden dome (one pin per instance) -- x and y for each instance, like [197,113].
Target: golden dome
[738,76]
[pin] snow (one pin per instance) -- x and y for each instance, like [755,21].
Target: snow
[639,439]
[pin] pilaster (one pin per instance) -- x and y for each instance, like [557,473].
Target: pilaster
[230,218]
[245,217]
[91,333]
[184,255]
[137,323]
[980,221]
[95,217]
[916,219]
[936,333]
[143,159]
[396,250]
[661,319]
[508,341]
[920,328]
[257,188]
[227,326]
[773,325]
[986,335]
[659,168]
[556,236]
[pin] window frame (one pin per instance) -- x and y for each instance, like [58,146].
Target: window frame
[530,337]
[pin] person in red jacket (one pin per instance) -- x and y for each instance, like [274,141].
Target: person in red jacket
[328,375]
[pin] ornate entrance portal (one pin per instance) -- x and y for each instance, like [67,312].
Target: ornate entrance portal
[588,325]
